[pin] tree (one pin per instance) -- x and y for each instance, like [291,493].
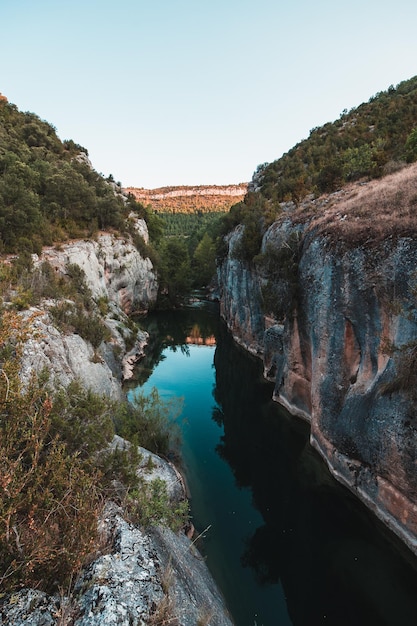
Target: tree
[175,270]
[204,261]
[357,162]
[411,146]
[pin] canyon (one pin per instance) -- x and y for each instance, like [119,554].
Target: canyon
[336,331]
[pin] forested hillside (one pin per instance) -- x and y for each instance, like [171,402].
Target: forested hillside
[48,189]
[371,140]
[49,193]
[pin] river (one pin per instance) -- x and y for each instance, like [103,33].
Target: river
[285,542]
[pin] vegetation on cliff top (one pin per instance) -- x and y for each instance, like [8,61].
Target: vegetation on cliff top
[368,141]
[48,191]
[319,177]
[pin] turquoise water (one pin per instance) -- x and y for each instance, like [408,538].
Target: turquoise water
[285,542]
[217,504]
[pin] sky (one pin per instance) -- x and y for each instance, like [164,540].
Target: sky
[186,92]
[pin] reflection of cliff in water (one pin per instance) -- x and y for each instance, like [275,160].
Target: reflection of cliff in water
[196,324]
[196,337]
[338,565]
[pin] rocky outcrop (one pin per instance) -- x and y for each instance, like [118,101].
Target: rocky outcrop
[345,358]
[152,577]
[113,268]
[116,273]
[67,356]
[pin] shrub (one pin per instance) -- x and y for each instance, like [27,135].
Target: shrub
[71,317]
[150,504]
[56,468]
[49,501]
[79,287]
[411,146]
[83,419]
[279,267]
[103,305]
[150,422]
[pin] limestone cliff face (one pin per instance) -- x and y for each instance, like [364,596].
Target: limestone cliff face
[338,360]
[67,357]
[113,268]
[186,199]
[240,298]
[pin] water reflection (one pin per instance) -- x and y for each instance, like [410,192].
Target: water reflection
[280,525]
[198,338]
[196,324]
[337,564]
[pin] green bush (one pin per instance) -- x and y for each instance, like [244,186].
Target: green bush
[279,268]
[82,418]
[71,317]
[56,470]
[149,504]
[150,422]
[411,146]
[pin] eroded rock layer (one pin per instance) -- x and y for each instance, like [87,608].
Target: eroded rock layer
[343,356]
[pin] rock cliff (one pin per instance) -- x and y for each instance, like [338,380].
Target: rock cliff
[140,576]
[187,199]
[113,268]
[116,272]
[344,357]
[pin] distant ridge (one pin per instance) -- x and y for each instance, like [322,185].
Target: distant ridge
[190,199]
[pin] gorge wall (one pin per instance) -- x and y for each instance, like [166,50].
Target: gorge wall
[137,575]
[115,272]
[344,358]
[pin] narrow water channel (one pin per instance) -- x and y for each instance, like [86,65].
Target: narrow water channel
[286,544]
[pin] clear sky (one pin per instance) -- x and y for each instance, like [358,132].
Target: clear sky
[177,92]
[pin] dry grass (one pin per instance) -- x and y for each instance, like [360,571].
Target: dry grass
[205,617]
[366,212]
[164,614]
